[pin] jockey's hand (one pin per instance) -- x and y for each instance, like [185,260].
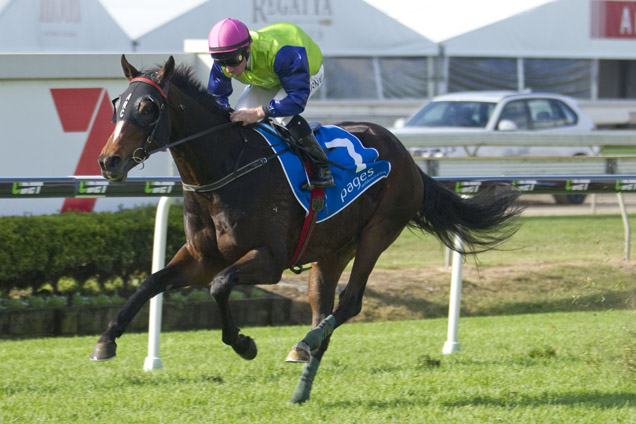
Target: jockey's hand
[248,116]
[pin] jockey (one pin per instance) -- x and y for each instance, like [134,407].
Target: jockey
[282,67]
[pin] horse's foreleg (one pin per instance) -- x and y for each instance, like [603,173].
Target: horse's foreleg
[255,267]
[106,347]
[323,280]
[181,271]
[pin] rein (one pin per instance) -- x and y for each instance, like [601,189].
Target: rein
[237,173]
[153,129]
[317,194]
[200,134]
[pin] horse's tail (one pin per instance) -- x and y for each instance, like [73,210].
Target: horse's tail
[482,222]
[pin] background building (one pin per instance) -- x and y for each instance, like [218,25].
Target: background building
[59,66]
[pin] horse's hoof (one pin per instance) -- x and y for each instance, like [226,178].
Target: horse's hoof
[297,400]
[104,351]
[299,353]
[245,347]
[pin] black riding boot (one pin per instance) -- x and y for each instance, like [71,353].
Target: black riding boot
[321,173]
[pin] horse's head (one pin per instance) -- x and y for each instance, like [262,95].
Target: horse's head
[142,118]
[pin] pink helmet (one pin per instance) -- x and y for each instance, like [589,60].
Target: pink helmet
[228,35]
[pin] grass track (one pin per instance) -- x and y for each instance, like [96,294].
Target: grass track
[577,367]
[551,238]
[551,368]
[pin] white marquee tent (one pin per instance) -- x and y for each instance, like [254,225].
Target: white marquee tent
[59,26]
[583,48]
[559,29]
[343,27]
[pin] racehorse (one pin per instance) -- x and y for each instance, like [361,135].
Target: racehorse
[246,231]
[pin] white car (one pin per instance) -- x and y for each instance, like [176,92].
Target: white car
[493,111]
[484,111]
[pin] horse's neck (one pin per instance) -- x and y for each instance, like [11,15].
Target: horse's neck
[206,159]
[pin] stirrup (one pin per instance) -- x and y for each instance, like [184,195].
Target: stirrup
[312,184]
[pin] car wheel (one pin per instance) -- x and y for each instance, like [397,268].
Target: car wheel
[570,199]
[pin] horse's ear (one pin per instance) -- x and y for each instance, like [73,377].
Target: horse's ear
[129,71]
[165,73]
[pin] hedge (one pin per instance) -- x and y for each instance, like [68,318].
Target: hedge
[39,250]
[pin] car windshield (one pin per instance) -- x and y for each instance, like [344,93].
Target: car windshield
[453,114]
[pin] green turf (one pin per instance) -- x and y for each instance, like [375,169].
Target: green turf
[551,238]
[541,368]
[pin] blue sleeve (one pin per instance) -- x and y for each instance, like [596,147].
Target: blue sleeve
[292,67]
[220,86]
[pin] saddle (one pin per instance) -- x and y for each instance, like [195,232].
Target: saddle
[355,167]
[292,143]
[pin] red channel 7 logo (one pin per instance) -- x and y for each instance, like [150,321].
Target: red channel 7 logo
[85,110]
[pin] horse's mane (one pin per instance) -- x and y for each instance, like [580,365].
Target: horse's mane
[184,78]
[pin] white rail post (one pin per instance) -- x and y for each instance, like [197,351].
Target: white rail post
[153,360]
[454,304]
[626,228]
[447,257]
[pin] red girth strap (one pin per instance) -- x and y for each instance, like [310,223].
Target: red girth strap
[316,203]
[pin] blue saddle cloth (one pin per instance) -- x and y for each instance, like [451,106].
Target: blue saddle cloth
[361,168]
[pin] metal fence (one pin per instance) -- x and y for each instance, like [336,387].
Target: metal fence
[170,187]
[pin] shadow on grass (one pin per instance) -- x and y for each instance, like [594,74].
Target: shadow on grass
[513,400]
[599,301]
[373,404]
[414,304]
[602,301]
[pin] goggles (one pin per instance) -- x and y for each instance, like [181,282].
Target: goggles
[233,58]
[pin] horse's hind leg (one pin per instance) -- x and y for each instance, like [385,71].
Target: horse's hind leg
[181,271]
[323,279]
[374,240]
[372,244]
[255,267]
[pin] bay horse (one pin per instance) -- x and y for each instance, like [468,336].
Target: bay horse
[245,232]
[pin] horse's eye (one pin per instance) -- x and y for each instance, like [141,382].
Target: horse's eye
[148,111]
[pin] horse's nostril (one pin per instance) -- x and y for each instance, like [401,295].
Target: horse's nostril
[110,163]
